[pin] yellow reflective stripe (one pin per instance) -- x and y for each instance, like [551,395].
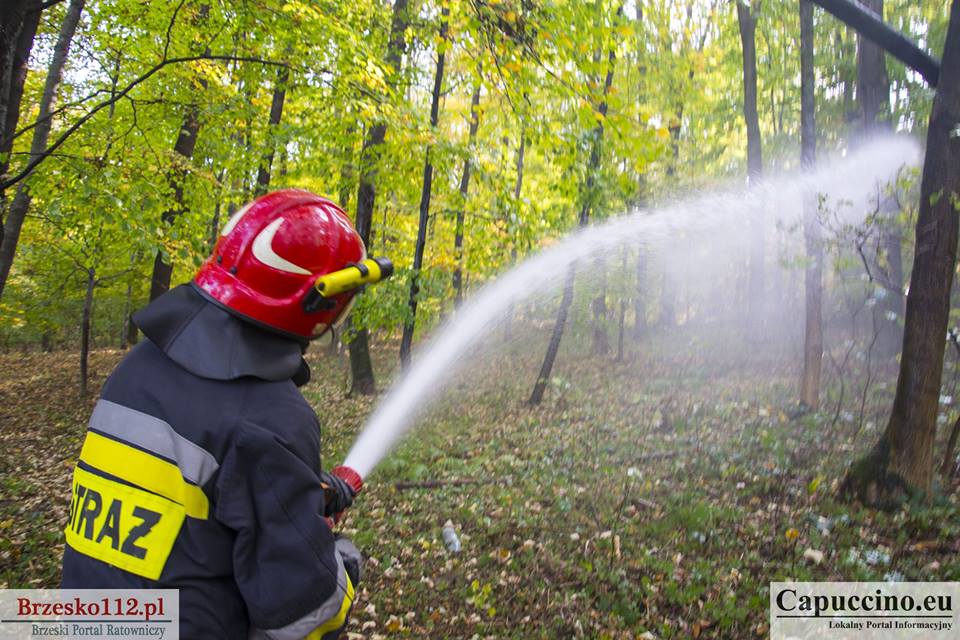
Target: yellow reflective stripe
[146,471]
[338,620]
[122,526]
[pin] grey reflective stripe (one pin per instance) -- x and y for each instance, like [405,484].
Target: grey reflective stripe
[299,629]
[156,436]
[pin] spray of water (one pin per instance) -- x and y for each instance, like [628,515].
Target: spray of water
[712,215]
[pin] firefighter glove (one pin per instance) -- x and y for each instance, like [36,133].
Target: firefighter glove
[339,495]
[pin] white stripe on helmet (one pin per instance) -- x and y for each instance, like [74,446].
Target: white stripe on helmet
[234,219]
[263,250]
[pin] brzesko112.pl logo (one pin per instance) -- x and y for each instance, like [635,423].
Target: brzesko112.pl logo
[91,614]
[865,610]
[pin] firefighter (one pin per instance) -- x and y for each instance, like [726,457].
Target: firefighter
[200,470]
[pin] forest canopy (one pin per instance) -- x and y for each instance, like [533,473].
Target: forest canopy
[169,116]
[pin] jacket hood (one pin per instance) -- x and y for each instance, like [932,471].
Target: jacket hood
[209,342]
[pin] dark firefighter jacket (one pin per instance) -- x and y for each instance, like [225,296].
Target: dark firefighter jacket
[199,472]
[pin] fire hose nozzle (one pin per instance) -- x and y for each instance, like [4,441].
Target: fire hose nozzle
[350,476]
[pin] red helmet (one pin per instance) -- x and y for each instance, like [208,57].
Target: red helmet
[271,252]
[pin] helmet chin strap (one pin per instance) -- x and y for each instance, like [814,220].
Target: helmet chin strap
[329,329]
[317,336]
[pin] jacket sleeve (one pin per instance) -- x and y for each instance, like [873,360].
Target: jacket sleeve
[286,560]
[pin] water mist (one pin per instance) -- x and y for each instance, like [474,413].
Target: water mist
[851,178]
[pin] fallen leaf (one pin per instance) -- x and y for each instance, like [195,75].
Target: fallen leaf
[814,556]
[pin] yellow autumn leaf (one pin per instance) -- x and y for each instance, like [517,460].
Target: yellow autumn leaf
[814,485]
[393,624]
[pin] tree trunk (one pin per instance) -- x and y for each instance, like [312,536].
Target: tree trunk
[186,142]
[846,51]
[668,300]
[464,187]
[512,227]
[276,112]
[406,340]
[128,328]
[184,146]
[640,292]
[347,182]
[873,94]
[217,210]
[639,298]
[521,155]
[347,171]
[949,462]
[21,201]
[18,27]
[361,368]
[675,127]
[85,330]
[546,368]
[813,280]
[600,342]
[889,311]
[747,19]
[902,461]
[623,308]
[873,84]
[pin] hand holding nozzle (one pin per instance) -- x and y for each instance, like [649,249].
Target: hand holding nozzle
[338,495]
[340,486]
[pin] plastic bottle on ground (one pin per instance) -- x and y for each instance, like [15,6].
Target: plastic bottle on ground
[450,538]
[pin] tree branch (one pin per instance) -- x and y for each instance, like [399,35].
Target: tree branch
[436,484]
[27,170]
[173,20]
[872,27]
[45,5]
[58,111]
[884,281]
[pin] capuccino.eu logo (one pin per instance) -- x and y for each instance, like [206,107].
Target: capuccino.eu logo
[862,610]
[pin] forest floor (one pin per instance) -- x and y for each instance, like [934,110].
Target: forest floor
[652,498]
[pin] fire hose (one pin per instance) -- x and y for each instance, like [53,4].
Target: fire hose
[360,274]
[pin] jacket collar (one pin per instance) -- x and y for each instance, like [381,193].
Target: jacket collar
[208,342]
